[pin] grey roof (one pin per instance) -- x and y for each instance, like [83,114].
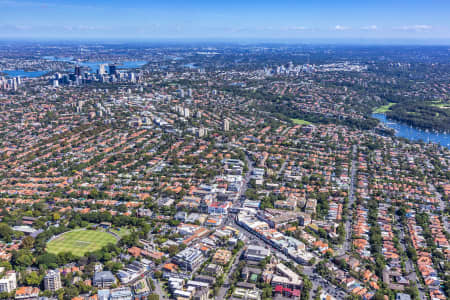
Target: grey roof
[104,276]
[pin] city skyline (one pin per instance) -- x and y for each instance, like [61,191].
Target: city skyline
[263,20]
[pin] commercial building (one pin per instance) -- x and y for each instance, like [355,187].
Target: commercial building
[112,69]
[256,253]
[286,278]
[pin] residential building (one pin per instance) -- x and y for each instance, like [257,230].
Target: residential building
[27,293]
[52,281]
[222,257]
[9,282]
[122,293]
[189,259]
[226,125]
[103,279]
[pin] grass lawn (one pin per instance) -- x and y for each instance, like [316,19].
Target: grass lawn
[78,242]
[384,108]
[301,122]
[440,104]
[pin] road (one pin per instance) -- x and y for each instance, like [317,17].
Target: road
[351,199]
[158,290]
[409,265]
[226,285]
[283,166]
[442,206]
[230,221]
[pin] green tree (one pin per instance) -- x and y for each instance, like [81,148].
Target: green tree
[28,242]
[33,279]
[6,232]
[48,260]
[56,217]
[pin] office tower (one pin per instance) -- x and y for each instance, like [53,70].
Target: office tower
[189,92]
[52,281]
[55,83]
[19,80]
[65,79]
[226,125]
[9,282]
[112,69]
[186,112]
[77,70]
[132,77]
[102,69]
[199,114]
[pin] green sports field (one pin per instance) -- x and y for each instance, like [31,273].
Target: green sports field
[78,242]
[301,122]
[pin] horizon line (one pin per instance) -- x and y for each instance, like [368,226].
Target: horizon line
[243,40]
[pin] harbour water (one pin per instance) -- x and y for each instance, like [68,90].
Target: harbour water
[415,134]
[22,73]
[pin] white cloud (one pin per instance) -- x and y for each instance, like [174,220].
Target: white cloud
[416,28]
[370,28]
[341,28]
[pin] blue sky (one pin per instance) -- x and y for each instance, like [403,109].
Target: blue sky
[231,19]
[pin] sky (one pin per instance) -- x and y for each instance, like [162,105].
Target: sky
[295,20]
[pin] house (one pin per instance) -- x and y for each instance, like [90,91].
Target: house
[181,216]
[27,293]
[28,220]
[169,267]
